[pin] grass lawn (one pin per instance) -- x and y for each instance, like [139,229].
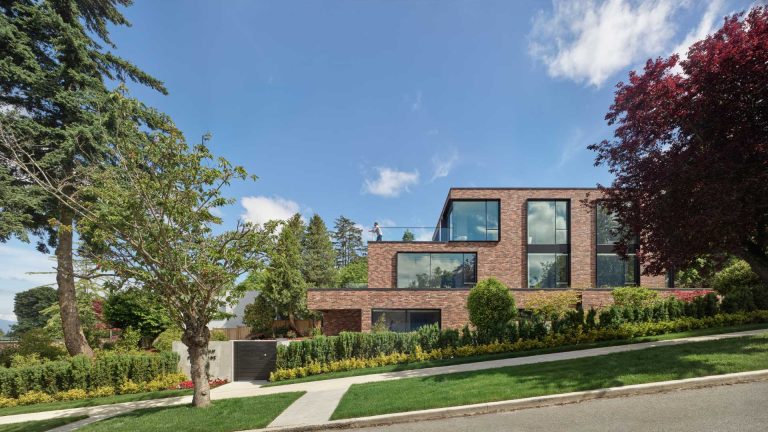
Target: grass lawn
[93,402]
[653,364]
[40,425]
[460,360]
[222,416]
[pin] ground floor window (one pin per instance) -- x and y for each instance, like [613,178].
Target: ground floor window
[404,320]
[613,271]
[547,270]
[436,270]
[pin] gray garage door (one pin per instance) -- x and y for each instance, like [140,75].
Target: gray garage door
[254,360]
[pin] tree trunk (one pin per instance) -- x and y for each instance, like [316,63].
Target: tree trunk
[197,347]
[292,324]
[74,339]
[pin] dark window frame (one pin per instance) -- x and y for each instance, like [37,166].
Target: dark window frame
[408,315]
[397,257]
[445,223]
[603,249]
[556,249]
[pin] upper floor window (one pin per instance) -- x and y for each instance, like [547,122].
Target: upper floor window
[611,269]
[436,270]
[473,221]
[548,244]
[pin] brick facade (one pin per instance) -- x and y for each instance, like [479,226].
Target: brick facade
[505,260]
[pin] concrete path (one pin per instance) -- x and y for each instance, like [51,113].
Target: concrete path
[330,391]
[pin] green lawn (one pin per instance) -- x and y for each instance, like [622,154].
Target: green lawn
[636,367]
[93,402]
[222,416]
[460,360]
[40,425]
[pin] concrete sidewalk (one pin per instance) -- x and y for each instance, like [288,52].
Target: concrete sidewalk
[323,396]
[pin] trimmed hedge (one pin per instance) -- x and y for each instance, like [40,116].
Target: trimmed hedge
[552,340]
[79,372]
[351,345]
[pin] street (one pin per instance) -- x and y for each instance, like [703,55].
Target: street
[742,407]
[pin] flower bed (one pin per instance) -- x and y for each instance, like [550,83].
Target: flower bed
[578,335]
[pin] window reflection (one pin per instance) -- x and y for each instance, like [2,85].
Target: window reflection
[436,270]
[474,221]
[611,269]
[404,320]
[547,270]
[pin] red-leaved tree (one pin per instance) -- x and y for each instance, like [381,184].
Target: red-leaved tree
[690,150]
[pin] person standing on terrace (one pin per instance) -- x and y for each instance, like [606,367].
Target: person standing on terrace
[377,230]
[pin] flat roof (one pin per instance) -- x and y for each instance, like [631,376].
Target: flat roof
[524,188]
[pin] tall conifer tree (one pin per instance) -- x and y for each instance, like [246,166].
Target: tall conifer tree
[284,285]
[319,256]
[53,96]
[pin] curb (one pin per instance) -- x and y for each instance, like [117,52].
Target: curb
[532,402]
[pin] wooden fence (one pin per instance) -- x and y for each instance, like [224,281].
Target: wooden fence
[242,332]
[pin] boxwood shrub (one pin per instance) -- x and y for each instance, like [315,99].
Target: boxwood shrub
[80,372]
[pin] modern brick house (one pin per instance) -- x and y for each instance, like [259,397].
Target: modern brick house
[529,238]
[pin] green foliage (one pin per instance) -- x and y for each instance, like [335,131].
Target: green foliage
[29,306]
[741,288]
[348,241]
[491,307]
[129,340]
[353,274]
[219,336]
[699,274]
[80,372]
[408,236]
[634,296]
[139,310]
[284,285]
[552,305]
[260,316]
[164,341]
[319,257]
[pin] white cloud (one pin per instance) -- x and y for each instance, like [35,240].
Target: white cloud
[576,142]
[390,182]
[442,163]
[587,41]
[708,25]
[261,209]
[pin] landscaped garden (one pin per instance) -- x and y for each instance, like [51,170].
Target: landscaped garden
[619,369]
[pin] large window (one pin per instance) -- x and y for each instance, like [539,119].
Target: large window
[611,269]
[404,320]
[548,244]
[436,270]
[473,221]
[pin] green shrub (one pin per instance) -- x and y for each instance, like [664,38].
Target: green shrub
[735,276]
[634,296]
[219,336]
[129,340]
[259,316]
[79,372]
[491,307]
[552,305]
[164,341]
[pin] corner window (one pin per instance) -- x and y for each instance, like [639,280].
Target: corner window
[548,244]
[611,269]
[436,270]
[473,221]
[404,320]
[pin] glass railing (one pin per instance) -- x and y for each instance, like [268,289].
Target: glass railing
[405,234]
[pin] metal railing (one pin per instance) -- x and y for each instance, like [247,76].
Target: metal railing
[407,233]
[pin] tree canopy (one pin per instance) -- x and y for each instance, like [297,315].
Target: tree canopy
[284,285]
[348,241]
[53,94]
[318,255]
[690,151]
[29,306]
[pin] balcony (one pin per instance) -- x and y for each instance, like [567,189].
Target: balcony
[409,234]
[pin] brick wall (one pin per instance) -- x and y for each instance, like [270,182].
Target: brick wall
[507,258]
[336,321]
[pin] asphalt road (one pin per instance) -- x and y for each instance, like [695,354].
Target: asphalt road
[741,407]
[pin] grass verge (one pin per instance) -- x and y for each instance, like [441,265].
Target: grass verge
[40,425]
[653,364]
[461,360]
[92,402]
[224,415]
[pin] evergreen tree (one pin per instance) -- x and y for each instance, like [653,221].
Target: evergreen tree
[408,236]
[54,98]
[348,240]
[354,274]
[29,306]
[284,285]
[319,256]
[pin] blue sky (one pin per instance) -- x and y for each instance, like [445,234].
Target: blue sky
[374,109]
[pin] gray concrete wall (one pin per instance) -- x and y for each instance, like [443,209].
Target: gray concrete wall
[221,359]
